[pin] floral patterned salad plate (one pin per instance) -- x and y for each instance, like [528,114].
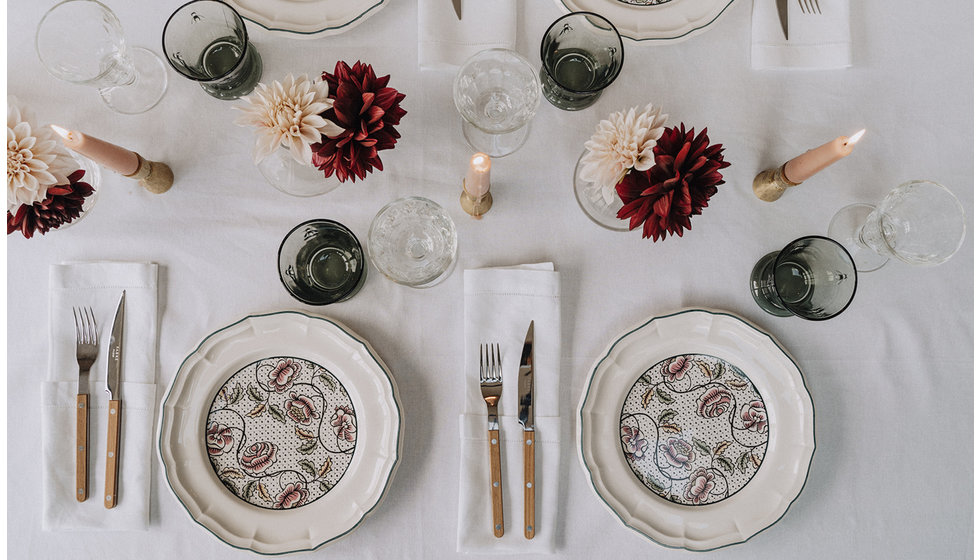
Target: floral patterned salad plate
[307,19]
[661,21]
[281,432]
[696,429]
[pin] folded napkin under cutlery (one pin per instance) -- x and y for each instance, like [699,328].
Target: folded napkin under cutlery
[499,303]
[99,286]
[817,41]
[445,42]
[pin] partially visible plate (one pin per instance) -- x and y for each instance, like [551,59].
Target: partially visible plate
[655,20]
[307,19]
[696,429]
[281,432]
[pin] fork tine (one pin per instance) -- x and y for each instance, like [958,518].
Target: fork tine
[817,4]
[78,328]
[482,366]
[500,362]
[89,321]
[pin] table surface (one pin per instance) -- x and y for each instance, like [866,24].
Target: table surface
[891,378]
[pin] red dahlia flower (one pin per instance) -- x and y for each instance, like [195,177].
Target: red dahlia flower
[368,111]
[685,175]
[61,205]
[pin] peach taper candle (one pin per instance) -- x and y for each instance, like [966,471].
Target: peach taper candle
[475,198]
[771,183]
[153,176]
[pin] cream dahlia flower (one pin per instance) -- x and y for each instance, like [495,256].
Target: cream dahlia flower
[36,159]
[622,142]
[287,114]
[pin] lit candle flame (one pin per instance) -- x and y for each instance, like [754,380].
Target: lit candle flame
[64,133]
[857,136]
[480,162]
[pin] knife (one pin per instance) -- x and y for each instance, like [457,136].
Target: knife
[783,17]
[525,415]
[112,374]
[458,6]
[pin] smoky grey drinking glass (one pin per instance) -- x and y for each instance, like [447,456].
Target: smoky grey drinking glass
[82,42]
[812,277]
[321,262]
[206,41]
[581,55]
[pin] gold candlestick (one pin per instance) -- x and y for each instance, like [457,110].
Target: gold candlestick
[475,206]
[771,183]
[153,176]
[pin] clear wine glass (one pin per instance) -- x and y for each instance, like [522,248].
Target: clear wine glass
[918,222]
[812,277]
[81,41]
[412,241]
[497,92]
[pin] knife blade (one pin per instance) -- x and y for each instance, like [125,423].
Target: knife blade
[112,377]
[525,415]
[783,17]
[458,6]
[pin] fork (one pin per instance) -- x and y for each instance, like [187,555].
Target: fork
[86,350]
[810,6]
[491,387]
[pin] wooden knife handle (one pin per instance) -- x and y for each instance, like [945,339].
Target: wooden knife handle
[81,448]
[112,454]
[529,484]
[496,497]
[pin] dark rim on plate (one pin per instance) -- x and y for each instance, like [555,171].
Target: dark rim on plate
[163,41]
[587,14]
[849,258]
[360,261]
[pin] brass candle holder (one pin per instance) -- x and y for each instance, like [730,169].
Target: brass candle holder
[475,206]
[770,184]
[153,176]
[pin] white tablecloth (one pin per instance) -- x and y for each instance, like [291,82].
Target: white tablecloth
[891,378]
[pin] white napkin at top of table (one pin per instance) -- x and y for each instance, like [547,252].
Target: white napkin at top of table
[446,42]
[498,306]
[99,285]
[819,41]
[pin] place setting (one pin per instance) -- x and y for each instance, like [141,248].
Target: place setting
[281,429]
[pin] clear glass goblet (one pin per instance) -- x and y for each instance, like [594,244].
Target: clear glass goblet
[497,92]
[581,55]
[412,241]
[81,41]
[918,222]
[812,277]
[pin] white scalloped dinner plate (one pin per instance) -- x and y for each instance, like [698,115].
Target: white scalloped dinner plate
[307,19]
[672,21]
[791,443]
[184,453]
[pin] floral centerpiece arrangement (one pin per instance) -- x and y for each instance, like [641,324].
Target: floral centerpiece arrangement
[337,124]
[662,176]
[44,182]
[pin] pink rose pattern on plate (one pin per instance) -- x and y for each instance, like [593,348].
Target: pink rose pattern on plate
[281,432]
[694,429]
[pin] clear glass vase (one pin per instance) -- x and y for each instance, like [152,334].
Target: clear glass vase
[283,172]
[598,205]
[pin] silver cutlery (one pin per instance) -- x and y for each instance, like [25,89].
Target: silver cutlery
[783,17]
[86,351]
[458,6]
[113,373]
[491,387]
[810,6]
[525,415]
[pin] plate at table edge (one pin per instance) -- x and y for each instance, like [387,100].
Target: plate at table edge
[712,526]
[218,505]
[625,16]
[274,23]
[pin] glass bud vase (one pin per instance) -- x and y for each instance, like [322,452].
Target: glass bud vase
[283,172]
[599,206]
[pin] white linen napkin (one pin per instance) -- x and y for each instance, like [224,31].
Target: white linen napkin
[816,41]
[498,306]
[446,42]
[99,285]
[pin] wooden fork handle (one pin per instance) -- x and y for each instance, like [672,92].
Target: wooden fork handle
[529,484]
[496,497]
[81,447]
[112,455]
